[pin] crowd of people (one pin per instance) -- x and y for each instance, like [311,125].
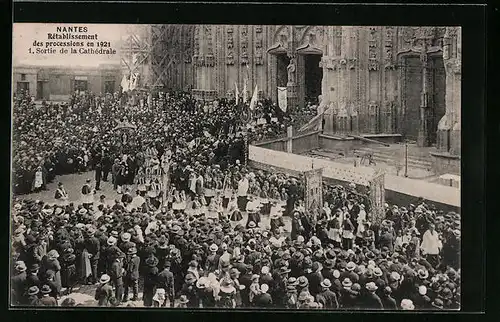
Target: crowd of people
[63,138]
[224,235]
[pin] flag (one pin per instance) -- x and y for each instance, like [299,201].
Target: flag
[282,99]
[236,92]
[245,98]
[133,81]
[124,84]
[136,81]
[253,102]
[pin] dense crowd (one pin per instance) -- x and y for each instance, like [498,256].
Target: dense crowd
[63,138]
[219,237]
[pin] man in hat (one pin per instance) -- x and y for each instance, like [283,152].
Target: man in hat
[326,297]
[189,290]
[87,195]
[46,299]
[150,280]
[132,275]
[166,281]
[93,247]
[116,274]
[33,299]
[61,196]
[264,299]
[104,291]
[371,300]
[451,249]
[18,282]
[212,261]
[315,278]
[431,246]
[126,244]
[388,302]
[32,279]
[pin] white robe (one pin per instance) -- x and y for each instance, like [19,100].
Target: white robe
[243,187]
[431,243]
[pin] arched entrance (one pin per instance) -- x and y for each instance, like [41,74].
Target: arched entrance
[422,100]
[313,74]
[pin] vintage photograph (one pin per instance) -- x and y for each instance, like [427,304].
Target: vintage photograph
[236,167]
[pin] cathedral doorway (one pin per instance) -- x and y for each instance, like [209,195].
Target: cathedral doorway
[438,108]
[282,61]
[411,96]
[313,77]
[411,92]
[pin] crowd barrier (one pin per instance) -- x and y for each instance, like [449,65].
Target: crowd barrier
[398,189]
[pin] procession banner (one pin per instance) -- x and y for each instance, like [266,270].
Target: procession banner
[282,98]
[253,102]
[236,93]
[377,195]
[314,189]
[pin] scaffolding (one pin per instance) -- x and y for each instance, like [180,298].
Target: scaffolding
[160,54]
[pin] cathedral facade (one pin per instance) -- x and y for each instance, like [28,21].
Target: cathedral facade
[385,80]
[368,80]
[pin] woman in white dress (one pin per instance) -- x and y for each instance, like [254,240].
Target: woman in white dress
[38,183]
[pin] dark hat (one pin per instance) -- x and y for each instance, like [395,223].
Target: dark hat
[329,263]
[34,267]
[446,293]
[438,303]
[190,278]
[132,250]
[152,261]
[46,289]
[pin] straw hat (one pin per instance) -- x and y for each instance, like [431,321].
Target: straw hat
[126,237]
[371,287]
[104,279]
[111,241]
[183,299]
[326,283]
[407,304]
[423,274]
[347,282]
[21,266]
[351,266]
[33,291]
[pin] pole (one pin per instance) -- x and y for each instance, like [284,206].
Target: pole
[406,159]
[245,142]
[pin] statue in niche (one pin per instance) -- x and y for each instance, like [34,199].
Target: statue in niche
[291,70]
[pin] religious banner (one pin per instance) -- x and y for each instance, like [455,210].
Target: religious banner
[377,195]
[314,189]
[282,98]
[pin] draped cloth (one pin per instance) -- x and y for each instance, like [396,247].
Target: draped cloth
[86,269]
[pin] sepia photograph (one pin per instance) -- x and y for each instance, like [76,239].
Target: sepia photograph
[236,166]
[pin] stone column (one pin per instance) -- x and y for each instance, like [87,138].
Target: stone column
[289,141]
[291,85]
[204,60]
[449,126]
[423,132]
